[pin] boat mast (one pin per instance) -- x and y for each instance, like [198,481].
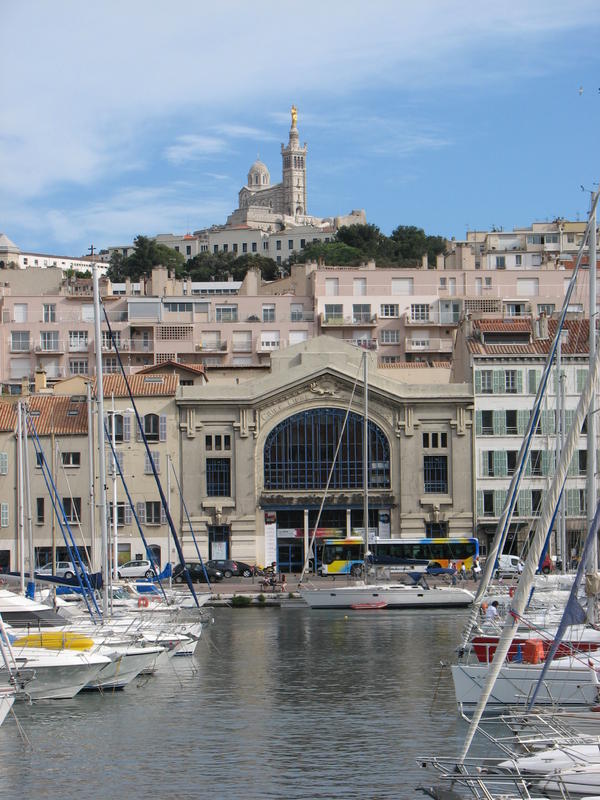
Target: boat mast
[31,581]
[90,417]
[21,517]
[366,463]
[101,454]
[591,493]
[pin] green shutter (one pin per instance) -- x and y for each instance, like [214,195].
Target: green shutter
[548,422]
[569,417]
[524,503]
[547,462]
[478,423]
[581,379]
[500,464]
[574,465]
[499,501]
[477,381]
[498,381]
[522,419]
[572,502]
[484,471]
[527,470]
[533,380]
[479,503]
[520,381]
[499,418]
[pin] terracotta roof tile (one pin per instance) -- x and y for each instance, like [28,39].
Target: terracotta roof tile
[575,343]
[8,416]
[60,414]
[197,369]
[141,385]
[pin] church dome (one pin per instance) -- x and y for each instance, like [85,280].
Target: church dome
[258,175]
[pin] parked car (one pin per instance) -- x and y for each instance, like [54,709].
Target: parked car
[509,565]
[229,567]
[196,572]
[140,568]
[64,569]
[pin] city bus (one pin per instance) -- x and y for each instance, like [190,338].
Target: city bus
[345,556]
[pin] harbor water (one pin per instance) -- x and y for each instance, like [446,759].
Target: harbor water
[287,703]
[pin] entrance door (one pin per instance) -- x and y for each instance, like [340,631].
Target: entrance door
[218,541]
[290,556]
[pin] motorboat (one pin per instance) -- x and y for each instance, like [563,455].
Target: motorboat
[394,595]
[52,675]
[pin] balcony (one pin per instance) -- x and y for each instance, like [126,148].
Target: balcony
[79,347]
[366,344]
[49,348]
[428,345]
[270,346]
[353,321]
[212,347]
[139,346]
[297,316]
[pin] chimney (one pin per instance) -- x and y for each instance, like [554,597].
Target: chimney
[541,328]
[40,380]
[24,386]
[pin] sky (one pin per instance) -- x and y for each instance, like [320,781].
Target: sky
[126,118]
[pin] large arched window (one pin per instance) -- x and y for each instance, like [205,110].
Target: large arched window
[299,452]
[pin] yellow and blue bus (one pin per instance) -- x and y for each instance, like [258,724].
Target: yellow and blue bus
[345,556]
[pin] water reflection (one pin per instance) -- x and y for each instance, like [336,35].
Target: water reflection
[282,704]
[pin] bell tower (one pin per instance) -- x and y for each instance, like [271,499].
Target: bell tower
[294,172]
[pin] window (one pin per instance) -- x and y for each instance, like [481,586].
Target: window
[151,427]
[153,512]
[218,477]
[226,313]
[49,340]
[3,463]
[518,259]
[510,381]
[120,514]
[546,308]
[3,515]
[20,312]
[244,247]
[402,286]
[254,247]
[188,249]
[268,313]
[72,507]
[110,365]
[290,244]
[500,262]
[107,342]
[20,342]
[215,248]
[487,381]
[528,287]
[148,465]
[296,312]
[361,313]
[435,470]
[511,423]
[278,244]
[535,461]
[435,439]
[49,312]
[390,337]
[389,310]
[302,243]
[218,441]
[488,503]
[582,462]
[72,459]
[419,312]
[225,248]
[536,502]
[78,340]
[487,423]
[39,503]
[334,313]
[359,286]
[269,340]
[235,247]
[511,461]
[332,287]
[78,366]
[117,420]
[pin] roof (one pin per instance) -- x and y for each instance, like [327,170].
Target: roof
[59,414]
[575,341]
[141,385]
[197,369]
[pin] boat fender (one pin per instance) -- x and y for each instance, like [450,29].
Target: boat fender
[511,591]
[143,602]
[483,608]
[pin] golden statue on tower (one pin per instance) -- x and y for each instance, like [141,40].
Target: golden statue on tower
[294,116]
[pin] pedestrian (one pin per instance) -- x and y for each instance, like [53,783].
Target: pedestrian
[476,569]
[452,568]
[492,611]
[463,572]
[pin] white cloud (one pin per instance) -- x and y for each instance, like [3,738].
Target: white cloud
[191,147]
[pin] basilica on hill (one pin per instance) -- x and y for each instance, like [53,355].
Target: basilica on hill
[272,207]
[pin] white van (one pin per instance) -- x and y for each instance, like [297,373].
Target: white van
[509,565]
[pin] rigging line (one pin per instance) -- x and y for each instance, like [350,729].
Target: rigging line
[503,526]
[337,450]
[77,519]
[163,499]
[82,576]
[149,553]
[189,522]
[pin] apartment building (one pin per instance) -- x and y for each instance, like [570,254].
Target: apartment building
[61,423]
[504,360]
[12,257]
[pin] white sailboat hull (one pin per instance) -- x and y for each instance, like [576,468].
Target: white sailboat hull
[393,595]
[7,698]
[47,675]
[126,666]
[569,685]
[581,782]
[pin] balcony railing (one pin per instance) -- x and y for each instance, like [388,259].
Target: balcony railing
[338,320]
[46,348]
[366,344]
[212,347]
[430,345]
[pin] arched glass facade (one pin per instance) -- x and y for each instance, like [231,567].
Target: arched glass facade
[299,452]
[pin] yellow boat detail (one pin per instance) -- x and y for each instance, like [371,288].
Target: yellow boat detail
[55,640]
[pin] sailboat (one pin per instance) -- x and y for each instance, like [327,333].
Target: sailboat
[365,595]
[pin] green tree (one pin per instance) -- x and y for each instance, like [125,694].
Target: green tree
[332,253]
[148,253]
[366,238]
